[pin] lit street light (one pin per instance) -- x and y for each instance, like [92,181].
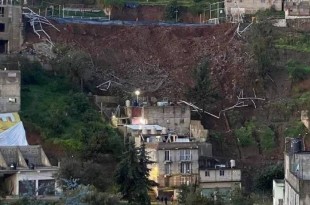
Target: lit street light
[137,93]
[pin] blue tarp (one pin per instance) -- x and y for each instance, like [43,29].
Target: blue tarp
[14,136]
[126,23]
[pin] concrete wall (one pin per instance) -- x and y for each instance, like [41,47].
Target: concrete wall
[300,165]
[297,187]
[12,19]
[252,6]
[291,197]
[230,175]
[9,89]
[175,118]
[278,192]
[212,185]
[36,175]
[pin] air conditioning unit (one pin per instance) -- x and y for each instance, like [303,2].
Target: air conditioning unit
[12,100]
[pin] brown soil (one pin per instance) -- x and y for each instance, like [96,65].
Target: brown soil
[159,60]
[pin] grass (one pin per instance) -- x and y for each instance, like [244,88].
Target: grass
[299,42]
[61,113]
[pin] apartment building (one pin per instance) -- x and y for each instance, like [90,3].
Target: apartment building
[216,177]
[11,25]
[297,174]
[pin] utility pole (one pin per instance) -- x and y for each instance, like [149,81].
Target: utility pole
[176,15]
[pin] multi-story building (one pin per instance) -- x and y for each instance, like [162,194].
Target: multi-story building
[297,9]
[174,117]
[25,169]
[10,26]
[218,177]
[234,7]
[297,174]
[176,158]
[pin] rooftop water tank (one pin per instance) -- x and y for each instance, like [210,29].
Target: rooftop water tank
[144,131]
[296,145]
[232,163]
[153,130]
[164,131]
[127,103]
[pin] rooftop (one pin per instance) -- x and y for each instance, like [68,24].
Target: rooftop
[23,157]
[147,127]
[177,145]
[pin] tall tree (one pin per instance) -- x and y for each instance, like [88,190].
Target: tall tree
[132,175]
[203,92]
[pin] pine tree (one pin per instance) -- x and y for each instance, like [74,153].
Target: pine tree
[132,175]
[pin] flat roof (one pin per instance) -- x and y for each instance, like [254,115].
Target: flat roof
[141,126]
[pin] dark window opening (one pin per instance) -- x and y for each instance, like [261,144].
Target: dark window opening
[3,46]
[46,187]
[27,187]
[2,27]
[1,11]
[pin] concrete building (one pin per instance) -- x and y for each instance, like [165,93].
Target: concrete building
[9,91]
[297,174]
[175,118]
[218,178]
[27,167]
[235,7]
[10,26]
[297,9]
[278,191]
[176,158]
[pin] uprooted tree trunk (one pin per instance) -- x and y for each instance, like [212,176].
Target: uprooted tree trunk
[242,101]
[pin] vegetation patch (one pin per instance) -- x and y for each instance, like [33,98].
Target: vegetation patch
[299,42]
[298,71]
[62,114]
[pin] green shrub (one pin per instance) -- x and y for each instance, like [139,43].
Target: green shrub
[263,180]
[295,129]
[266,137]
[297,71]
[171,9]
[244,134]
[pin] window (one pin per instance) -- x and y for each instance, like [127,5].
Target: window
[26,186]
[46,187]
[2,27]
[181,121]
[207,173]
[167,155]
[167,168]
[185,180]
[186,168]
[185,154]
[221,172]
[1,11]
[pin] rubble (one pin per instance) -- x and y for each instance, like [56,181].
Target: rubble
[158,60]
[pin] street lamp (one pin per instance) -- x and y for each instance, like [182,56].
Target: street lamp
[176,15]
[137,93]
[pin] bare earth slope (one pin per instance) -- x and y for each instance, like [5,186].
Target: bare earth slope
[158,60]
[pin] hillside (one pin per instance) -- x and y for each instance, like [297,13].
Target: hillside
[161,60]
[167,54]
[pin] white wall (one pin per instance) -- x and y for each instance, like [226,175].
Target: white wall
[278,192]
[214,175]
[32,175]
